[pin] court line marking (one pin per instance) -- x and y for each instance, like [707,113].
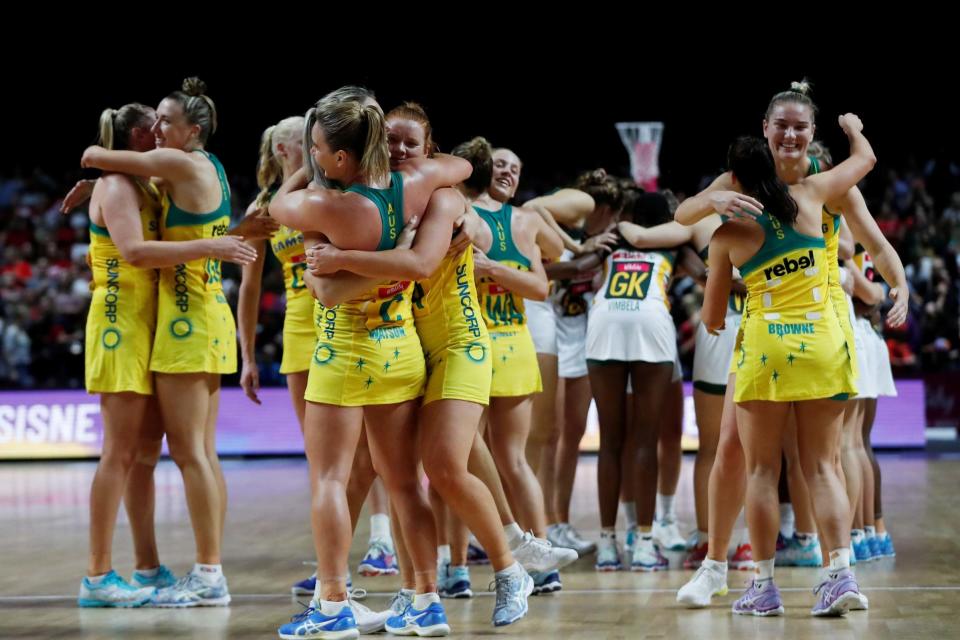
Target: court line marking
[573,592]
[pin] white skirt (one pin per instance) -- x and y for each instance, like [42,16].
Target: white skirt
[542,321]
[572,345]
[880,363]
[866,355]
[713,354]
[637,336]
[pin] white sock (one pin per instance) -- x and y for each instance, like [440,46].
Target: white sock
[787,520]
[514,535]
[720,567]
[95,580]
[870,532]
[380,528]
[839,559]
[148,573]
[764,571]
[423,600]
[513,570]
[629,513]
[332,607]
[608,533]
[665,508]
[209,574]
[856,535]
[443,552]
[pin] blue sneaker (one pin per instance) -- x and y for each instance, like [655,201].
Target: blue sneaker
[453,582]
[546,582]
[311,623]
[862,550]
[513,588]
[113,591]
[429,622]
[886,545]
[800,554]
[191,591]
[782,558]
[381,560]
[305,587]
[164,578]
[875,551]
[476,554]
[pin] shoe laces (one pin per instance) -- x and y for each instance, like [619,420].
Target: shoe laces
[112,578]
[501,585]
[308,610]
[543,542]
[822,586]
[378,549]
[699,572]
[183,582]
[399,603]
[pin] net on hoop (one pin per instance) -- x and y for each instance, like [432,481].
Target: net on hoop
[642,141]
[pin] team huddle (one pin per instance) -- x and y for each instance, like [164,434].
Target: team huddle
[435,327]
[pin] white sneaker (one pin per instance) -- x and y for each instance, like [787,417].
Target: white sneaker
[555,534]
[192,591]
[705,583]
[647,557]
[537,555]
[608,555]
[113,591]
[667,534]
[576,541]
[369,621]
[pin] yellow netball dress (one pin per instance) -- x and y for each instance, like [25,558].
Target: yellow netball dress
[456,345]
[367,350]
[123,310]
[299,336]
[195,327]
[791,346]
[515,368]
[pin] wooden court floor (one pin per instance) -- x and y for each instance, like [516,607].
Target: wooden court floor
[43,538]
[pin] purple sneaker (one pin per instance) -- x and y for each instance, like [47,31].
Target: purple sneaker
[760,602]
[838,594]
